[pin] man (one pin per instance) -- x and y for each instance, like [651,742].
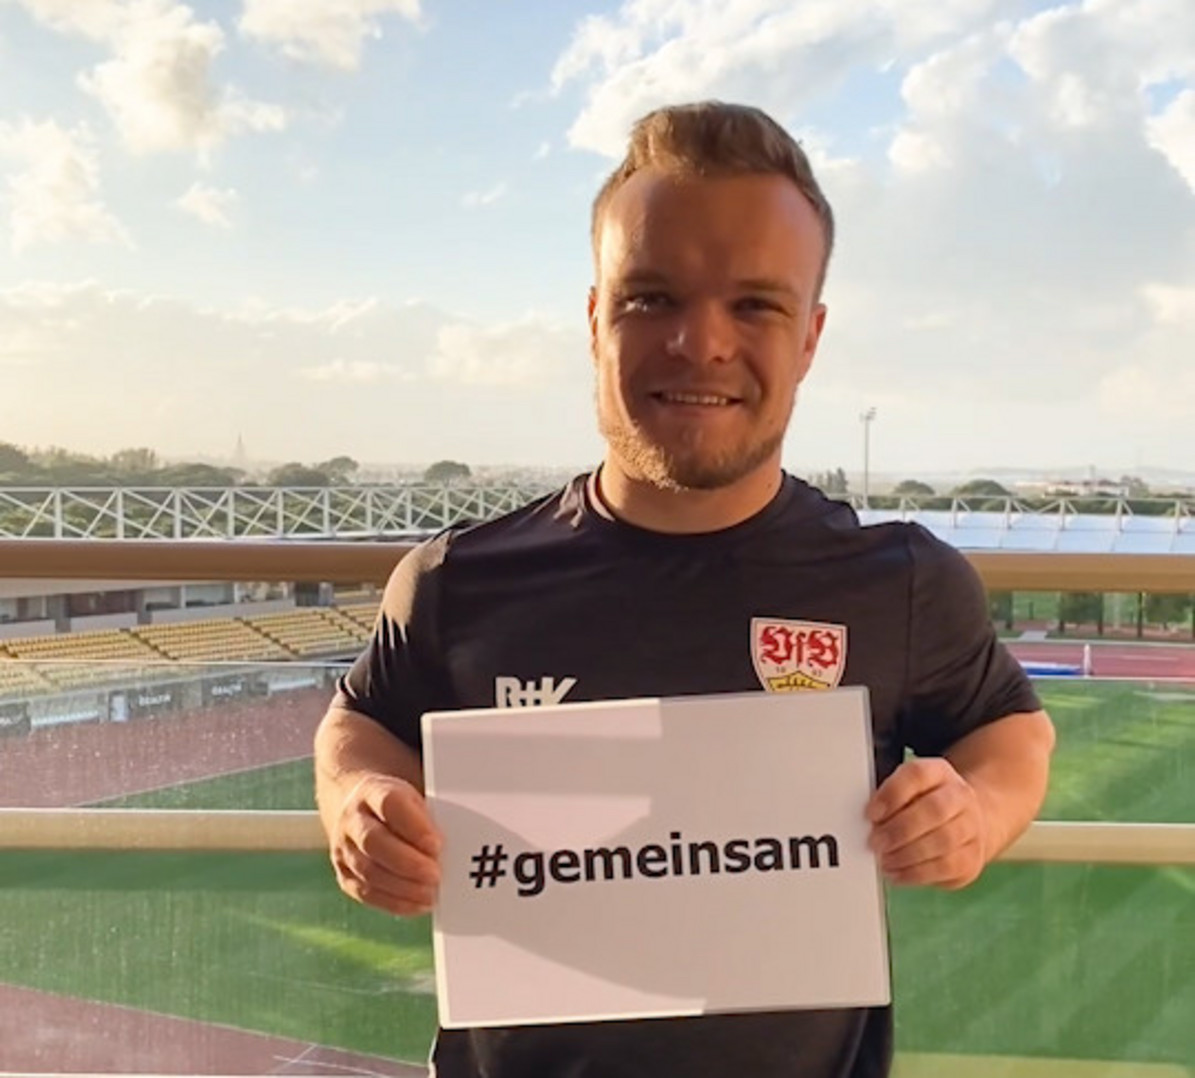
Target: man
[690,563]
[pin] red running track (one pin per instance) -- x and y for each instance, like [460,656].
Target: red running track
[1117,660]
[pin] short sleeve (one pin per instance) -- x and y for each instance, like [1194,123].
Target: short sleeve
[399,675]
[960,676]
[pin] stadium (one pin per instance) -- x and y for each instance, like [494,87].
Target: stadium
[167,904]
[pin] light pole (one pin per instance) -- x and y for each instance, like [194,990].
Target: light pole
[866,419]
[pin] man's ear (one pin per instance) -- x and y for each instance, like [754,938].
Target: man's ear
[592,313]
[813,334]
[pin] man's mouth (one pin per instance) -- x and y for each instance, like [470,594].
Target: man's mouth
[706,400]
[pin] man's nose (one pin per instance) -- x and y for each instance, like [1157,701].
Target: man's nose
[703,333]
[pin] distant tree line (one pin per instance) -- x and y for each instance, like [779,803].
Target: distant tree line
[1070,612]
[990,495]
[141,467]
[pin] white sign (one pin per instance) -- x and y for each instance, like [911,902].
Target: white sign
[645,858]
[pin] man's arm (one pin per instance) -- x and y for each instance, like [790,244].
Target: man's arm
[369,789]
[940,820]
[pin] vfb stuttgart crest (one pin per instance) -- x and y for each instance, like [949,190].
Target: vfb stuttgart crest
[790,655]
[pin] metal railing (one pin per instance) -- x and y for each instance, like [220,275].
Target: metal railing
[252,831]
[371,563]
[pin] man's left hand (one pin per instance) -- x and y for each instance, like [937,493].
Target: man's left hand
[928,825]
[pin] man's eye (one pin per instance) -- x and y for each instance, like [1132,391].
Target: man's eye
[645,301]
[757,303]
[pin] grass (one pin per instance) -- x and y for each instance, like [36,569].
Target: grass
[1063,961]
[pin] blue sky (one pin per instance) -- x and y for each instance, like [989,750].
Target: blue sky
[361,225]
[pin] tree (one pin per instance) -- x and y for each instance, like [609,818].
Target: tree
[1166,610]
[988,488]
[831,482]
[294,474]
[1134,487]
[913,488]
[13,460]
[1081,608]
[134,462]
[339,470]
[1000,608]
[445,471]
[60,467]
[197,475]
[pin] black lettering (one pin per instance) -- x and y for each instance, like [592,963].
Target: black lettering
[530,883]
[769,855]
[812,846]
[696,849]
[736,856]
[678,864]
[565,861]
[652,862]
[608,857]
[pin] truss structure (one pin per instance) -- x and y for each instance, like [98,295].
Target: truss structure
[415,509]
[250,512]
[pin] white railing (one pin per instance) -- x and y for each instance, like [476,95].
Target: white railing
[184,829]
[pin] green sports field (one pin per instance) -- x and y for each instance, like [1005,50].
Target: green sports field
[1065,962]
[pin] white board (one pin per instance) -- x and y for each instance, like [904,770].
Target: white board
[646,858]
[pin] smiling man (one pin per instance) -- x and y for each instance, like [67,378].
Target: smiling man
[689,562]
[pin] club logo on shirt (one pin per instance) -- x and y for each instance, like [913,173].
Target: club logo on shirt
[792,655]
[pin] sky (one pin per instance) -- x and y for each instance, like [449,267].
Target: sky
[361,226]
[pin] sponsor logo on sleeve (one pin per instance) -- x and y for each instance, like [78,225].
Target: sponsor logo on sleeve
[792,655]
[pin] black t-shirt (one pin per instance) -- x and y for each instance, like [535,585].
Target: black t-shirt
[556,602]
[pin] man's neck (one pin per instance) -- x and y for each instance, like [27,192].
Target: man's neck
[683,512]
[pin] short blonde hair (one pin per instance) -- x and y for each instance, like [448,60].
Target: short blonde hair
[712,138]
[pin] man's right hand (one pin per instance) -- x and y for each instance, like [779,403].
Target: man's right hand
[385,849]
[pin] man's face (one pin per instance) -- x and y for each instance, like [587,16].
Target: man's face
[703,323]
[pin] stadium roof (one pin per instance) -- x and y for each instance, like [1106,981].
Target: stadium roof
[1056,532]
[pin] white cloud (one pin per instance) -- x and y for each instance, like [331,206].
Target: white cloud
[542,151]
[1171,305]
[1166,395]
[157,86]
[518,353]
[329,32]
[211,205]
[53,193]
[777,54]
[1172,133]
[475,199]
[94,18]
[358,371]
[378,381]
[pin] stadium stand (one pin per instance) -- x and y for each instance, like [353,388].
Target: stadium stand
[361,615]
[73,659]
[311,632]
[66,660]
[211,640]
[111,644]
[17,678]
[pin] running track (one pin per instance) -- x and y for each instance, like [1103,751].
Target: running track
[1119,660]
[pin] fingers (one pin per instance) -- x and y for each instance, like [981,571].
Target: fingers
[376,885]
[907,783]
[385,849]
[927,826]
[403,810]
[368,841]
[943,811]
[957,868]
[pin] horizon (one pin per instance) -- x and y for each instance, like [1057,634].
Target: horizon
[1179,481]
